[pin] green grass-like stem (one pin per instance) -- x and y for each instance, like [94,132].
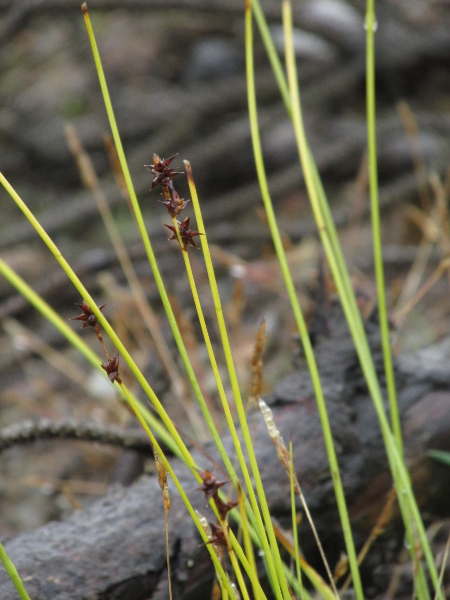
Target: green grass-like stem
[149,250]
[397,466]
[272,54]
[309,353]
[180,489]
[146,241]
[371,25]
[257,521]
[77,342]
[13,574]
[294,523]
[237,396]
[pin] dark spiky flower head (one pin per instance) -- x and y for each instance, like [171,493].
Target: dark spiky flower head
[174,204]
[87,316]
[218,536]
[210,485]
[185,233]
[112,369]
[223,508]
[161,171]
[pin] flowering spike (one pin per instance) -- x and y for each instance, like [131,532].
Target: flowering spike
[223,508]
[87,316]
[218,536]
[112,369]
[162,172]
[174,204]
[185,233]
[210,485]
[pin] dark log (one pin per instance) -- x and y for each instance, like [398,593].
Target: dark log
[116,548]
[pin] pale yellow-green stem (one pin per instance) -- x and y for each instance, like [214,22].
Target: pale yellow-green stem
[180,489]
[104,323]
[275,553]
[294,522]
[376,224]
[13,574]
[258,523]
[151,257]
[77,342]
[397,466]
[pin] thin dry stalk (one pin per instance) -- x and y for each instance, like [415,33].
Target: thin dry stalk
[257,362]
[420,167]
[444,564]
[377,530]
[162,480]
[283,456]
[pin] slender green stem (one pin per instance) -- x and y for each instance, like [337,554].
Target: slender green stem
[180,489]
[309,354]
[258,523]
[272,54]
[371,25]
[147,244]
[146,240]
[397,466]
[376,226]
[274,553]
[13,574]
[77,342]
[294,523]
[151,257]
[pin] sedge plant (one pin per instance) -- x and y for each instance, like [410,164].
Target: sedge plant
[232,557]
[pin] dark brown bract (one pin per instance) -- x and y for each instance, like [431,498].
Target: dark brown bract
[210,485]
[185,233]
[112,369]
[87,316]
[172,201]
[218,536]
[161,171]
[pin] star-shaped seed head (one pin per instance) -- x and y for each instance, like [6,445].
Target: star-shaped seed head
[112,369]
[174,204]
[210,485]
[218,536]
[223,508]
[185,233]
[161,171]
[87,316]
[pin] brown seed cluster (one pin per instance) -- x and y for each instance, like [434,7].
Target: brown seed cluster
[163,175]
[211,488]
[90,320]
[87,316]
